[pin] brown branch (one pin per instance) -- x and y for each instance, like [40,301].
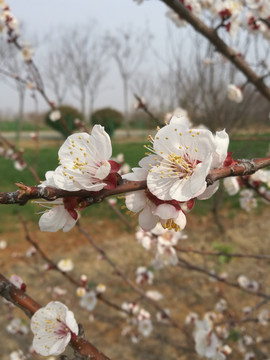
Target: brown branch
[30,306]
[54,266]
[86,198]
[212,35]
[144,107]
[184,263]
[19,156]
[127,280]
[240,168]
[37,80]
[256,188]
[220,253]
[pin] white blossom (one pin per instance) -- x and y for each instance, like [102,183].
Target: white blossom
[16,326]
[234,93]
[53,326]
[85,163]
[143,275]
[247,203]
[3,244]
[245,283]
[145,327]
[231,185]
[183,159]
[59,291]
[154,295]
[132,308]
[120,158]
[176,19]
[263,317]
[19,165]
[260,8]
[3,4]
[163,316]
[27,52]
[60,215]
[191,318]
[17,355]
[89,300]
[221,306]
[65,265]
[101,288]
[17,281]
[249,356]
[55,115]
[145,238]
[206,342]
[80,291]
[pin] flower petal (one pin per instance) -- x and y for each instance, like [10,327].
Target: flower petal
[166,211]
[147,220]
[54,219]
[135,201]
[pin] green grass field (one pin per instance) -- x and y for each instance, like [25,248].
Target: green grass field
[133,153]
[7,126]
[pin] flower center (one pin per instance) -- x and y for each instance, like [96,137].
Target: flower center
[170,225]
[182,166]
[61,329]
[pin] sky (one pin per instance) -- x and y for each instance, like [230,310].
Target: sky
[40,17]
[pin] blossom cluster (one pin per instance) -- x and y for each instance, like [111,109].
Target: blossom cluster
[248,14]
[161,242]
[248,186]
[139,323]
[8,22]
[212,332]
[83,165]
[233,16]
[9,25]
[175,171]
[8,153]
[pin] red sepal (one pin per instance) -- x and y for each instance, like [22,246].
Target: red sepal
[111,181]
[73,213]
[115,167]
[229,160]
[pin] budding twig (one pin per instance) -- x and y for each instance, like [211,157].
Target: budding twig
[220,253]
[186,264]
[144,107]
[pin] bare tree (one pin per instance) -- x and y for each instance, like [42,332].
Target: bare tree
[128,48]
[85,56]
[57,71]
[203,91]
[12,64]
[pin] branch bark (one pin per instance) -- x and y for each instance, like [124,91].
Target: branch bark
[87,198]
[212,35]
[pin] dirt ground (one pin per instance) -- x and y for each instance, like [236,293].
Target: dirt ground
[183,290]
